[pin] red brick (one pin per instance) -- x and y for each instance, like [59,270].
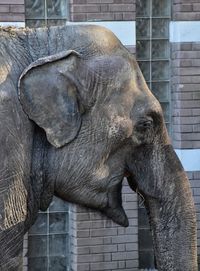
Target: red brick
[17,9]
[124,1]
[122,7]
[12,2]
[100,1]
[182,7]
[183,128]
[196,7]
[12,17]
[4,8]
[85,8]
[128,16]
[104,8]
[80,17]
[100,16]
[186,54]
[118,16]
[80,2]
[186,16]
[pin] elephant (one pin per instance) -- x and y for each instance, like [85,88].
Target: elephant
[76,116]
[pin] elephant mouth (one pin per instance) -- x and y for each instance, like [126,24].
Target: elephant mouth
[114,208]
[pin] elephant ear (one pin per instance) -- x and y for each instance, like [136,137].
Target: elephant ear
[48,94]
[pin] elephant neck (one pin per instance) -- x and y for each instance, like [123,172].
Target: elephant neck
[43,189]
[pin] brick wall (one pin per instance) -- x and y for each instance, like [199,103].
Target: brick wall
[99,244]
[102,10]
[186,95]
[186,10]
[12,11]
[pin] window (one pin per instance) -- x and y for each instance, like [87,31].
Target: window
[153,48]
[48,239]
[46,12]
[153,55]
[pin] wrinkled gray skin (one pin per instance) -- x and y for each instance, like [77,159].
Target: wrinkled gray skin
[75,116]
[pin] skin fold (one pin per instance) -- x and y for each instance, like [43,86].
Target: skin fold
[76,116]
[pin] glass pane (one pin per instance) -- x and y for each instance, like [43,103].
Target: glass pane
[56,8]
[58,205]
[160,70]
[35,9]
[142,8]
[165,107]
[58,245]
[160,49]
[58,222]
[143,28]
[58,264]
[161,91]
[37,246]
[145,240]
[56,22]
[147,260]
[143,49]
[37,264]
[40,226]
[145,68]
[161,8]
[160,28]
[143,219]
[35,23]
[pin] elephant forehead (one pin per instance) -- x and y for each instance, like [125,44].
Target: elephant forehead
[100,37]
[121,126]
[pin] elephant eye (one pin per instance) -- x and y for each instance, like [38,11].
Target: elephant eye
[144,123]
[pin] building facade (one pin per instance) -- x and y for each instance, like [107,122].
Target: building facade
[165,37]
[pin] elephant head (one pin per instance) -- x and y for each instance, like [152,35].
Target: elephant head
[101,122]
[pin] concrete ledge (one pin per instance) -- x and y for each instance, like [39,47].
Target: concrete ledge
[185,31]
[15,24]
[190,159]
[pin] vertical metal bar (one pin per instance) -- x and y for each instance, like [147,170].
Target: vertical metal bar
[45,12]
[150,45]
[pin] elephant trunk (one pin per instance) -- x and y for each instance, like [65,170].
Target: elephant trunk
[173,226]
[168,198]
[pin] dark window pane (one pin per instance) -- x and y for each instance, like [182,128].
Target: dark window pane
[35,23]
[160,70]
[161,8]
[145,239]
[165,107]
[143,220]
[145,68]
[160,49]
[146,259]
[37,246]
[40,226]
[160,28]
[143,49]
[56,9]
[56,22]
[143,28]
[58,222]
[37,264]
[143,8]
[161,91]
[58,245]
[58,205]
[35,9]
[58,264]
